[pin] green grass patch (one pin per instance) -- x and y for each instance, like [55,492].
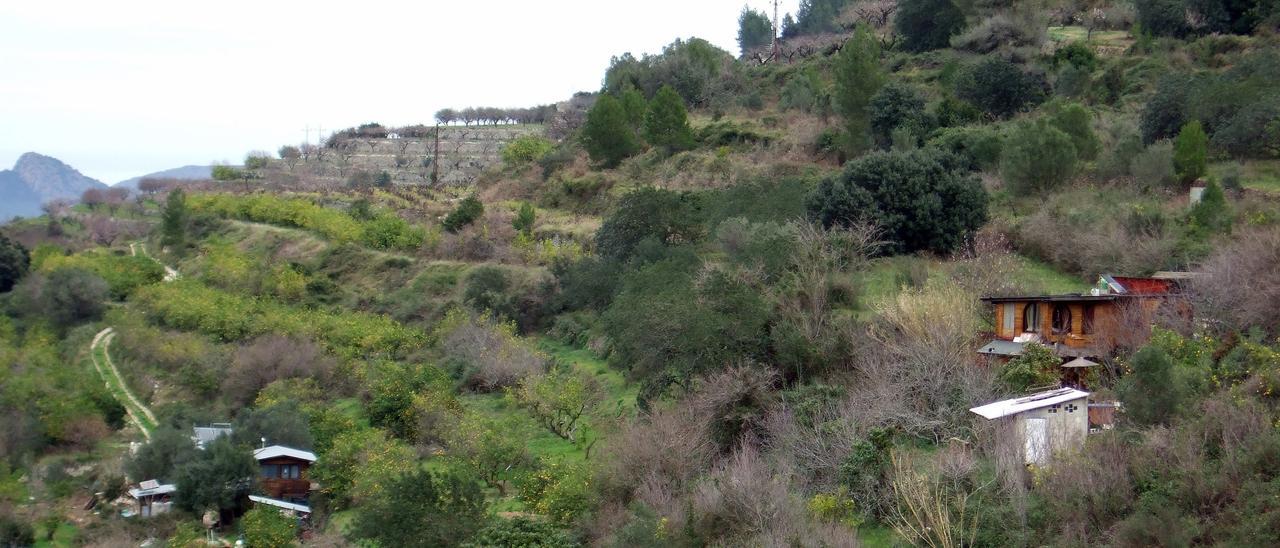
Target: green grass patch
[542,443]
[1106,38]
[621,394]
[879,536]
[64,535]
[116,387]
[1260,175]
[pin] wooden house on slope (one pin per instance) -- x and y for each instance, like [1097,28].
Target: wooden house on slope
[1081,325]
[283,473]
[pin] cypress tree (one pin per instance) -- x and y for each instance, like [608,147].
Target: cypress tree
[666,124]
[607,136]
[858,78]
[173,221]
[1191,152]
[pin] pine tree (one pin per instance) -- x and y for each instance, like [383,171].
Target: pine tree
[1191,152]
[666,124]
[1150,393]
[607,136]
[173,221]
[636,106]
[524,218]
[858,78]
[754,30]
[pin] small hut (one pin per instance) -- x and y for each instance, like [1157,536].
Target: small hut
[1046,422]
[153,498]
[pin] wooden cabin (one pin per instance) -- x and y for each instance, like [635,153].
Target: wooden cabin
[1077,325]
[153,498]
[283,473]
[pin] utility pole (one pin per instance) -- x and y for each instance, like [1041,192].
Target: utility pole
[306,140]
[776,30]
[435,160]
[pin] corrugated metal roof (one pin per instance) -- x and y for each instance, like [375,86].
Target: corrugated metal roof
[1005,408]
[300,508]
[282,451]
[157,490]
[999,347]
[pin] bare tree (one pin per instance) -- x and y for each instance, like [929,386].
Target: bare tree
[115,197]
[102,230]
[93,197]
[1239,285]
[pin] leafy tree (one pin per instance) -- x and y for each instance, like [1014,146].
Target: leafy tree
[803,91]
[666,124]
[14,262]
[560,399]
[520,532]
[173,221]
[159,459]
[1165,111]
[816,16]
[226,173]
[754,30]
[280,424]
[1191,152]
[999,88]
[635,105]
[858,77]
[923,199]
[1150,392]
[217,478]
[1212,213]
[525,150]
[1037,157]
[1252,132]
[669,217]
[927,24]
[524,218]
[492,448]
[607,135]
[256,160]
[468,211]
[1163,17]
[72,295]
[266,527]
[392,387]
[290,154]
[357,464]
[895,105]
[1037,366]
[487,289]
[1076,121]
[422,508]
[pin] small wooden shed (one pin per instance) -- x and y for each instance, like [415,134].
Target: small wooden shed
[1047,422]
[153,498]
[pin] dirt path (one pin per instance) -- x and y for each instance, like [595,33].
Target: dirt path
[169,273]
[101,357]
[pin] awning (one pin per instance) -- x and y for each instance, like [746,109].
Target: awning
[1079,362]
[299,508]
[999,347]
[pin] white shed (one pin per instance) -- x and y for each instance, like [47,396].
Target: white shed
[1048,422]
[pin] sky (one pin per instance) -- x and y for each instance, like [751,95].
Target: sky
[124,88]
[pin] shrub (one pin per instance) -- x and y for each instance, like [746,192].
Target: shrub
[922,199]
[468,211]
[667,216]
[1164,114]
[999,87]
[524,218]
[1241,281]
[266,527]
[1076,121]
[895,105]
[1254,132]
[1037,157]
[1154,166]
[979,146]
[1076,54]
[14,262]
[1001,30]
[1190,152]
[485,354]
[525,150]
[803,91]
[1150,393]
[521,532]
[270,358]
[123,273]
[1037,366]
[422,508]
[71,296]
[927,24]
[1163,17]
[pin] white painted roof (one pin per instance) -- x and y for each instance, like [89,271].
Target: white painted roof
[157,490]
[1014,406]
[282,451]
[300,508]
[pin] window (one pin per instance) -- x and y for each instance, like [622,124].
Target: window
[1008,318]
[1031,318]
[1061,319]
[289,471]
[270,470]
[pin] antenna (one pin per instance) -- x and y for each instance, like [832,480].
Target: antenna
[307,133]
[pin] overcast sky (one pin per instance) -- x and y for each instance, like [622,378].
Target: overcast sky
[128,87]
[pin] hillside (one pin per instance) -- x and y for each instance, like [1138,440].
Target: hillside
[193,173]
[37,179]
[934,274]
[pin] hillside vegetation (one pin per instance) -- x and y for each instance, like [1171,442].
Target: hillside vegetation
[729,299]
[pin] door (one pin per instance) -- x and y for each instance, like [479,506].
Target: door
[1037,436]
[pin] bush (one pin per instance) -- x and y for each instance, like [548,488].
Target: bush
[979,146]
[1190,152]
[999,88]
[525,150]
[667,216]
[803,91]
[894,106]
[1150,392]
[1154,165]
[1038,366]
[1077,122]
[1163,17]
[266,527]
[1076,54]
[922,199]
[14,262]
[1001,30]
[666,124]
[485,354]
[71,296]
[1165,111]
[422,508]
[1254,132]
[1037,157]
[927,24]
[468,211]
[520,532]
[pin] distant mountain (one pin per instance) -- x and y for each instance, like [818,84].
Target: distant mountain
[183,173]
[37,179]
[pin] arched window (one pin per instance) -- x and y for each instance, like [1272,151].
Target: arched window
[1061,319]
[1031,318]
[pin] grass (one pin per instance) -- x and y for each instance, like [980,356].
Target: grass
[116,386]
[64,535]
[887,276]
[1260,175]
[622,394]
[1105,38]
[878,536]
